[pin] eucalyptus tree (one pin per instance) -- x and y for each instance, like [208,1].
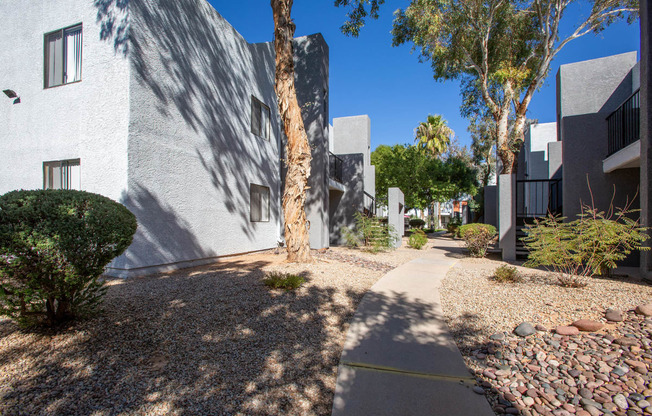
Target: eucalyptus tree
[298,147]
[433,135]
[502,48]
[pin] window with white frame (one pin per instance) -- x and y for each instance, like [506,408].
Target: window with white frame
[259,203]
[63,56]
[260,116]
[62,174]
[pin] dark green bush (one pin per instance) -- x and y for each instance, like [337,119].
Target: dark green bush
[453,225]
[477,238]
[417,239]
[54,245]
[285,281]
[417,223]
[506,274]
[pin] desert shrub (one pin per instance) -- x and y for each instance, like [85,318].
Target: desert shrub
[506,274]
[453,225]
[417,223]
[285,281]
[54,245]
[370,233]
[477,238]
[590,245]
[351,237]
[417,239]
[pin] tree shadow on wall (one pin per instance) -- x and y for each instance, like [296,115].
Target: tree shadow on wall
[197,68]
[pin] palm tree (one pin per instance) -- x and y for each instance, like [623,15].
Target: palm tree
[434,135]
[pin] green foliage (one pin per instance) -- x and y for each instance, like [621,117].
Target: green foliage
[370,233]
[417,223]
[590,245]
[506,274]
[453,225]
[285,281]
[433,135]
[421,177]
[417,239]
[477,238]
[53,248]
[500,50]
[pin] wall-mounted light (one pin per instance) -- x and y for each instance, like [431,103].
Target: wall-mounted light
[12,94]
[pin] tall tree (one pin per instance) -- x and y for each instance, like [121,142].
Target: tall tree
[501,48]
[433,135]
[298,148]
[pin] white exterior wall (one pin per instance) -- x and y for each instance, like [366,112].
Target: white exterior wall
[192,155]
[86,120]
[353,135]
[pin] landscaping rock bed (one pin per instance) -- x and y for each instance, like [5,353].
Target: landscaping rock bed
[587,374]
[354,260]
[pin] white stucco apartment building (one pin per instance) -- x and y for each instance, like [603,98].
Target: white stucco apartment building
[163,106]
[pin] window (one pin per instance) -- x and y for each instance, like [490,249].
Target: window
[63,56]
[62,174]
[259,203]
[259,118]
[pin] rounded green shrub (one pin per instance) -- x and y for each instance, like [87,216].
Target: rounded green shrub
[54,245]
[477,238]
[506,274]
[417,223]
[454,225]
[417,239]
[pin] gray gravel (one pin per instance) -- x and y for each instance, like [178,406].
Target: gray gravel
[211,340]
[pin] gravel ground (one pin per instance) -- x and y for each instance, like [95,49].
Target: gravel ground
[547,373]
[210,340]
[476,306]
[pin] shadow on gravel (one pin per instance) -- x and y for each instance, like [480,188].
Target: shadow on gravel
[209,340]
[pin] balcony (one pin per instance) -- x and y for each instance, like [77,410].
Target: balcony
[334,167]
[624,127]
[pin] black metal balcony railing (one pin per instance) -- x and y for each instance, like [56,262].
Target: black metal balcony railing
[538,198]
[369,203]
[334,167]
[624,124]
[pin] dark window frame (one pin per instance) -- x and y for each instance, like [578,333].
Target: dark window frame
[257,108]
[64,165]
[263,209]
[46,57]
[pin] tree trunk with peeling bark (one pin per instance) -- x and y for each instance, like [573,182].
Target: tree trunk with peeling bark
[298,148]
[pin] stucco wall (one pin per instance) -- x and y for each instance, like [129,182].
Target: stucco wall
[86,120]
[588,92]
[192,155]
[353,135]
[311,80]
[344,205]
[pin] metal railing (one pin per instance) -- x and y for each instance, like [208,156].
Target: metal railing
[624,124]
[369,205]
[334,167]
[538,198]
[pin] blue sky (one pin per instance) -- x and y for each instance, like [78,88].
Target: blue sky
[369,76]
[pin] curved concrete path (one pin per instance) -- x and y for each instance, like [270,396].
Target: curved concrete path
[399,357]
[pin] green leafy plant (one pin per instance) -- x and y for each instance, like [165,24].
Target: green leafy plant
[417,223]
[506,274]
[54,245]
[417,239]
[590,245]
[285,281]
[370,233]
[477,238]
[453,225]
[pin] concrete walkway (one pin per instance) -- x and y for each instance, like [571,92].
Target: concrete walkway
[399,357]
